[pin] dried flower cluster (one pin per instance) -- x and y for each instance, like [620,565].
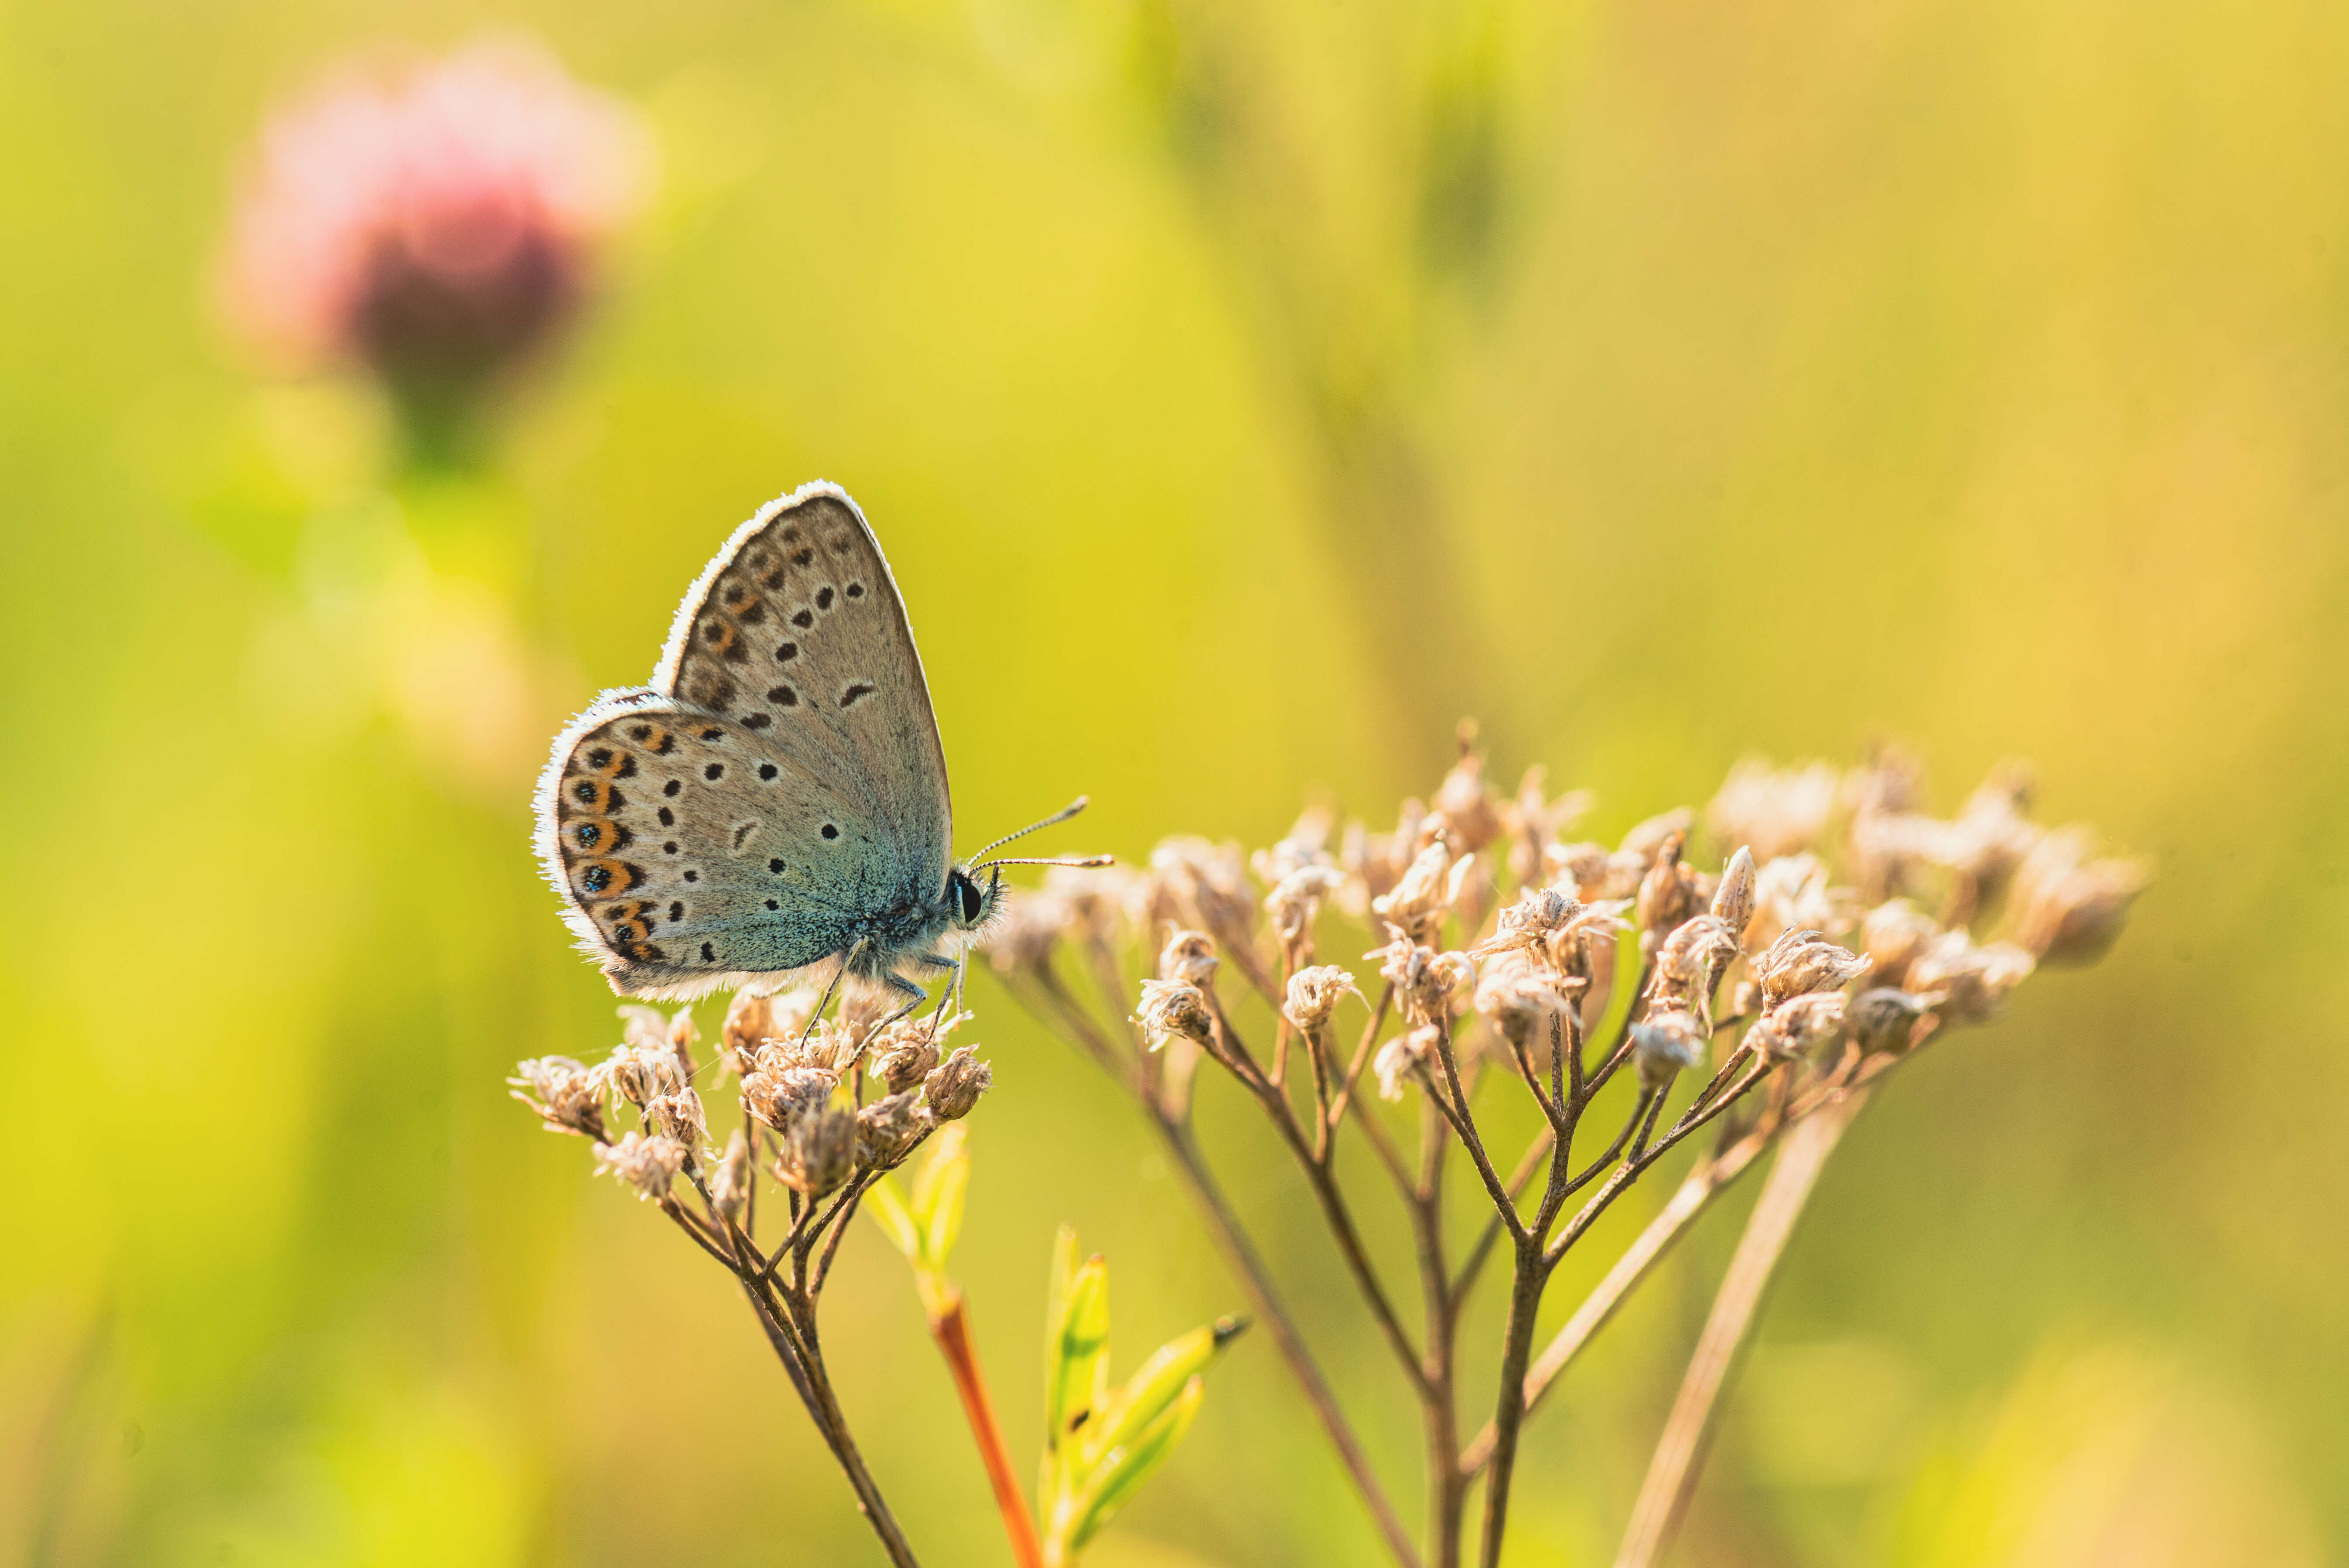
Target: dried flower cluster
[1817,930]
[828,1105]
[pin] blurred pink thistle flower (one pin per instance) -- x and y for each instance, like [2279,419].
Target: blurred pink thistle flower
[434,220]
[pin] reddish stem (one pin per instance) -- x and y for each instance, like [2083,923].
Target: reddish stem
[952,1331]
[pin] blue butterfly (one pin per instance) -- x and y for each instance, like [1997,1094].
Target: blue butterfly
[776,799]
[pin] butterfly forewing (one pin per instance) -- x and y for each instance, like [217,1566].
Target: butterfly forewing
[782,780]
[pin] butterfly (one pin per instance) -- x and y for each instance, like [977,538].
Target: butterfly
[775,801]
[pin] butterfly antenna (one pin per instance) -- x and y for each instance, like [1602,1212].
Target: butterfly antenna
[1062,815]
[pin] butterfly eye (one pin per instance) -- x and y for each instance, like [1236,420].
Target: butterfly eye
[967,896]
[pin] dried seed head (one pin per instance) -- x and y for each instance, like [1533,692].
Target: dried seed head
[651,1031]
[1777,811]
[565,1095]
[1585,945]
[1030,926]
[1470,806]
[1794,894]
[826,1046]
[1314,995]
[1172,1008]
[1295,902]
[1892,781]
[750,1020]
[1538,914]
[862,1009]
[1886,1020]
[1417,904]
[1893,934]
[1992,836]
[1521,1001]
[2068,907]
[640,1074]
[1668,893]
[1664,1042]
[1400,1057]
[1694,955]
[1732,902]
[1804,1026]
[1093,897]
[788,1096]
[1803,961]
[1189,957]
[647,1164]
[1969,983]
[1647,839]
[817,1151]
[887,1130]
[790,1011]
[1209,885]
[1428,984]
[1307,844]
[953,1086]
[729,1184]
[680,1116]
[1590,872]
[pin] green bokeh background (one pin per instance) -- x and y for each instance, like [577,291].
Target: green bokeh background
[1244,394]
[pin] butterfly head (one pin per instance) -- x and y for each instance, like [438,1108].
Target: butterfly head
[972,904]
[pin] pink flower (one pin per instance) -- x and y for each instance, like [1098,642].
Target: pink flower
[430,219]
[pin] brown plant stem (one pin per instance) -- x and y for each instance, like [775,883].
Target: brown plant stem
[1241,1253]
[951,1329]
[1679,1454]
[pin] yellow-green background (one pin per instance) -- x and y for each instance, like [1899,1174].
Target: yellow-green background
[1244,392]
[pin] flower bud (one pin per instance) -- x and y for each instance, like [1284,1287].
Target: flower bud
[1894,933]
[2069,907]
[563,1093]
[1885,1019]
[1805,1026]
[955,1085]
[1666,1042]
[1314,995]
[1667,893]
[1174,1007]
[1732,902]
[1778,811]
[1969,983]
[887,1130]
[750,1021]
[817,1151]
[1418,903]
[1029,929]
[1801,962]
[1403,1056]
[1189,957]
[783,1097]
[1693,956]
[679,1116]
[647,1164]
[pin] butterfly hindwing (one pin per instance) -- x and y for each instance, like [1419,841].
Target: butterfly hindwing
[781,783]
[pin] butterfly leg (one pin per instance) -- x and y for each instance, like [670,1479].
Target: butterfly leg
[831,987]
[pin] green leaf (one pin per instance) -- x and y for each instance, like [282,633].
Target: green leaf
[1155,1386]
[887,1206]
[939,1189]
[1076,1356]
[1122,1469]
